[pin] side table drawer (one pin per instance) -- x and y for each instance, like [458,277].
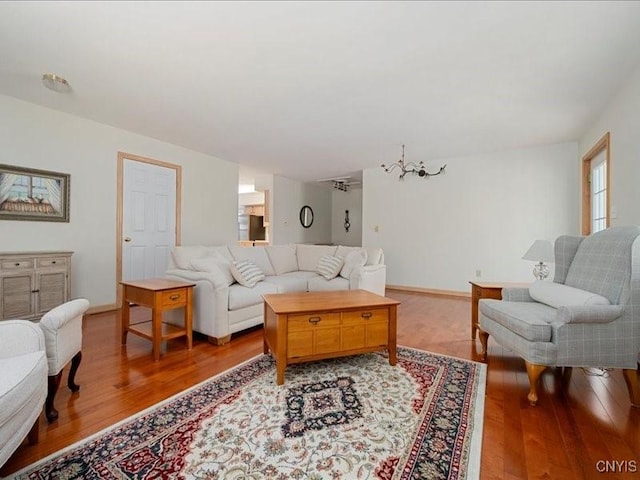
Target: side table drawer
[174,298]
[52,262]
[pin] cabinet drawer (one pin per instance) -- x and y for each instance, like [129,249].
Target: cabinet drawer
[17,264]
[368,315]
[311,321]
[52,262]
[174,297]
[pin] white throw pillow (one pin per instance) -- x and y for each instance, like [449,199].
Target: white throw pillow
[356,258]
[246,273]
[309,255]
[215,264]
[256,255]
[329,266]
[374,255]
[558,295]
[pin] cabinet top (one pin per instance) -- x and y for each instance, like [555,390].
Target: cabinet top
[43,252]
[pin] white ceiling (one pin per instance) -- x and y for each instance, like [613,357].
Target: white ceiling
[314,90]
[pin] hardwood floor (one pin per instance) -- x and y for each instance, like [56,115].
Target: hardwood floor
[581,421]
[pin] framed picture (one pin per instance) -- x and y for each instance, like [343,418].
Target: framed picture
[29,194]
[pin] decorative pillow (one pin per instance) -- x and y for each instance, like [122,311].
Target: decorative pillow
[309,255]
[374,255]
[329,266]
[558,295]
[354,259]
[246,273]
[215,264]
[283,258]
[256,255]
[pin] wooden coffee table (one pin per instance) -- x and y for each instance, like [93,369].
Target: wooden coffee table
[159,294]
[306,326]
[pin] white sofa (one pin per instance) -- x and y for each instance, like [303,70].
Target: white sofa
[222,307]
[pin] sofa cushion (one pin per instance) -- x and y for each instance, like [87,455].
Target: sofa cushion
[183,256]
[215,264]
[246,273]
[374,256]
[355,258]
[241,296]
[557,295]
[288,283]
[530,320]
[319,284]
[309,255]
[257,255]
[329,266]
[283,258]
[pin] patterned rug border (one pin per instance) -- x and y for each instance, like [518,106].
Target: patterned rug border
[475,452]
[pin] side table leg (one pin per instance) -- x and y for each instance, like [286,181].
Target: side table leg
[124,319]
[157,332]
[188,322]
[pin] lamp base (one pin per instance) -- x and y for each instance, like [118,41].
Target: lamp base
[541,271]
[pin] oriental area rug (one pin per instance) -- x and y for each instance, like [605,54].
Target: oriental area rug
[349,418]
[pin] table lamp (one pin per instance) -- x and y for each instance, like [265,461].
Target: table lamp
[541,251]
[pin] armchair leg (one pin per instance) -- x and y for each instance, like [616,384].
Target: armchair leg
[75,363]
[534,371]
[631,379]
[484,339]
[50,410]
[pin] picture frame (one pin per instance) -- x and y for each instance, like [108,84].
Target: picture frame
[35,195]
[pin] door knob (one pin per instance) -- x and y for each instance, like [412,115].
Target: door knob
[127,239]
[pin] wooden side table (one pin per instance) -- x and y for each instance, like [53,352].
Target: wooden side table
[486,290]
[159,294]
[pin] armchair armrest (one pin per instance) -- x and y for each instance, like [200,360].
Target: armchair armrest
[589,313]
[19,337]
[516,294]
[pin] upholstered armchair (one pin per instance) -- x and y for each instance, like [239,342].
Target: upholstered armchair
[23,384]
[62,328]
[589,316]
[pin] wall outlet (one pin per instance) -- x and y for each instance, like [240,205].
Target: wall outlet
[376,228]
[478,273]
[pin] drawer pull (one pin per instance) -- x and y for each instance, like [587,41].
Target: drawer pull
[314,320]
[35,291]
[54,262]
[174,297]
[17,264]
[367,315]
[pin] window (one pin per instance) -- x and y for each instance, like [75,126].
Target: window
[595,187]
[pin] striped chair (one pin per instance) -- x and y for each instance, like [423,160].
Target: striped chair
[589,316]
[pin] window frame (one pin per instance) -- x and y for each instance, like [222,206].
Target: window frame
[604,144]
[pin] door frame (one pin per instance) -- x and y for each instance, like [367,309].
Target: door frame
[122,156]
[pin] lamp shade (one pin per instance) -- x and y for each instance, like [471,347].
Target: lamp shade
[540,251]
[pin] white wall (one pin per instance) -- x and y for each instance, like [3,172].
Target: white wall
[288,197]
[37,137]
[622,119]
[341,201]
[482,214]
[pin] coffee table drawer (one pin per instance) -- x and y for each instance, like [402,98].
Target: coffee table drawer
[313,321]
[369,316]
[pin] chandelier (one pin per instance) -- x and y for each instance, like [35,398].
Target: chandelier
[411,167]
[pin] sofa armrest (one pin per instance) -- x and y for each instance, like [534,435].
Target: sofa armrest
[589,313]
[19,337]
[216,279]
[370,277]
[516,294]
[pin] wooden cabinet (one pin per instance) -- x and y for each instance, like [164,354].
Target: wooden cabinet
[32,283]
[254,210]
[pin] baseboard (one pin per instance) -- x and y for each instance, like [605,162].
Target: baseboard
[101,309]
[432,291]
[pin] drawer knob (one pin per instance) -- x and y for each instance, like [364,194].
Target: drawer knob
[18,264]
[366,315]
[35,291]
[314,320]
[174,297]
[54,262]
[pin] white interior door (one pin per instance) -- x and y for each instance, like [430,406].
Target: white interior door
[148,219]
